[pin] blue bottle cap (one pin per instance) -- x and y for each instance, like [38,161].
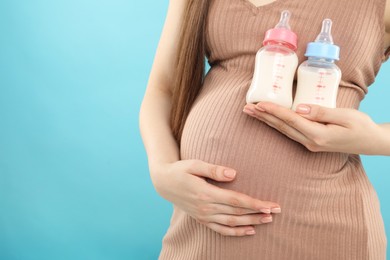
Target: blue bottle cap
[323,46]
[322,50]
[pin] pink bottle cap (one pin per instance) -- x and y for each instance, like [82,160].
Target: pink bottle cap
[282,33]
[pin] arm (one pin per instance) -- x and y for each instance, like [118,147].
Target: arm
[322,129]
[155,108]
[386,134]
[182,182]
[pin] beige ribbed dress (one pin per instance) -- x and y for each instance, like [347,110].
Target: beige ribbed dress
[330,210]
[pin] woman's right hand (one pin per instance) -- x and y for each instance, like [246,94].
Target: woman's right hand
[225,211]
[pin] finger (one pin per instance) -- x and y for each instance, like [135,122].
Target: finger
[276,123]
[282,127]
[240,200]
[338,116]
[231,231]
[234,221]
[212,171]
[308,128]
[216,208]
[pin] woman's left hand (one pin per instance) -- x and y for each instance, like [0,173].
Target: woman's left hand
[322,129]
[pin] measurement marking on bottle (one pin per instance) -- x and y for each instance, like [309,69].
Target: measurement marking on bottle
[319,97]
[278,75]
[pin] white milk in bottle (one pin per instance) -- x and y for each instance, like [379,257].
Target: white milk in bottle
[275,66]
[319,77]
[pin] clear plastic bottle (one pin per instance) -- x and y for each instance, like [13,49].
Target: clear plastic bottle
[275,66]
[319,77]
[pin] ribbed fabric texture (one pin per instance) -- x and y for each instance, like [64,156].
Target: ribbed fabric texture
[330,210]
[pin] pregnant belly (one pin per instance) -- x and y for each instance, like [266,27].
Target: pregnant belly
[218,132]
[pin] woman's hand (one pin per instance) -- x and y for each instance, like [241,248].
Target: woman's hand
[324,129]
[225,211]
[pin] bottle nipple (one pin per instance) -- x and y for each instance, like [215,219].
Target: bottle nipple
[325,35]
[282,33]
[284,19]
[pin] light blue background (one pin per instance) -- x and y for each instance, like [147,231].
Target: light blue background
[74,182]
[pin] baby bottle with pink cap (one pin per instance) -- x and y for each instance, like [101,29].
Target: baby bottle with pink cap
[275,66]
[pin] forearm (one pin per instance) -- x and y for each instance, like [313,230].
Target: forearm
[385,147]
[156,134]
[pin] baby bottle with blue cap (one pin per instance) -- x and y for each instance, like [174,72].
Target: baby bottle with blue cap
[319,77]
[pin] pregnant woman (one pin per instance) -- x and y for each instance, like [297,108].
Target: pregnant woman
[259,181]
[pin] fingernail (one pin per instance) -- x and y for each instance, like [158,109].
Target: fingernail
[266,219]
[265,210]
[250,232]
[276,210]
[229,173]
[303,109]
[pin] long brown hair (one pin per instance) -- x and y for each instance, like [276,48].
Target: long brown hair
[190,64]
